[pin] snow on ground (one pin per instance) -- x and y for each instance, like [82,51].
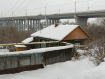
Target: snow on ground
[80,69]
[4,50]
[38,50]
[94,73]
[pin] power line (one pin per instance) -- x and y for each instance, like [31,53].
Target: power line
[20,5]
[25,6]
[12,7]
[48,6]
[28,4]
[95,3]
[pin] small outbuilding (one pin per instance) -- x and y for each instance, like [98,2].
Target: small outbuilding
[20,47]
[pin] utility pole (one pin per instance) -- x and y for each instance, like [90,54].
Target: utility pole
[45,16]
[12,19]
[40,11]
[12,13]
[75,13]
[59,9]
[75,7]
[88,6]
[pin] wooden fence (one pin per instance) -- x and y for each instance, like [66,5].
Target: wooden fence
[52,57]
[15,61]
[23,62]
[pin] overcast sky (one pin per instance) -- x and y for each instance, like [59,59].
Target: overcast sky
[35,7]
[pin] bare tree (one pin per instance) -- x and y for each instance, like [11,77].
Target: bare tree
[11,35]
[97,33]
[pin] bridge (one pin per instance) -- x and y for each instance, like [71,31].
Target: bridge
[33,22]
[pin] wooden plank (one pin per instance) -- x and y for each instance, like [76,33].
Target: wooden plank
[16,62]
[24,60]
[32,59]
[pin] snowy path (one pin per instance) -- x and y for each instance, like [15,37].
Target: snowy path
[81,69]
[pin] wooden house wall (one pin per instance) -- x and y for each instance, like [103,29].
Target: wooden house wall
[78,33]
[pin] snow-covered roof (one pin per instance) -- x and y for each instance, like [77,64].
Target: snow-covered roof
[57,33]
[27,40]
[38,50]
[19,45]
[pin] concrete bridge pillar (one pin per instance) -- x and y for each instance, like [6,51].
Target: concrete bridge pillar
[46,22]
[13,22]
[6,23]
[21,25]
[38,25]
[9,24]
[3,23]
[52,21]
[55,21]
[34,25]
[82,22]
[49,22]
[30,27]
[17,24]
[24,22]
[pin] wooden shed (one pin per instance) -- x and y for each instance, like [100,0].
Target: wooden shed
[20,47]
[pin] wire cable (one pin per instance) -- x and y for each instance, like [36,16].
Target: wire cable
[25,6]
[95,3]
[20,5]
[12,7]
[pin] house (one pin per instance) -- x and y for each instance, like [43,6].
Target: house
[43,53]
[67,33]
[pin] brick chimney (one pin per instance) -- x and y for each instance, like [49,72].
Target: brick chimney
[56,24]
